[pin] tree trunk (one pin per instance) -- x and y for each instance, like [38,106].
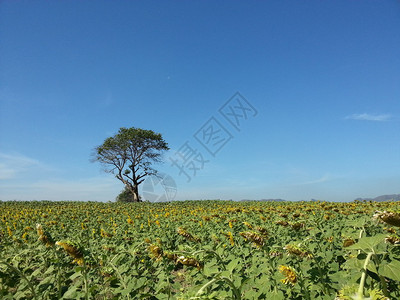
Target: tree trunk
[135,194]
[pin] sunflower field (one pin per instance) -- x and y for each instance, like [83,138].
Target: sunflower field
[200,250]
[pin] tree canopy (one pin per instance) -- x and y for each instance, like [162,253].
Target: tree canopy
[129,155]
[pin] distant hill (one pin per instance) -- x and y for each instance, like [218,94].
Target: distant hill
[265,200]
[394,197]
[276,200]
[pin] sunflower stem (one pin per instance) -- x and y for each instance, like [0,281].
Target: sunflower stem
[360,293]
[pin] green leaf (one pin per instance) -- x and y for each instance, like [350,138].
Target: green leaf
[368,244]
[226,274]
[390,270]
[46,280]
[358,264]
[21,294]
[36,272]
[79,269]
[75,275]
[71,293]
[49,270]
[210,271]
[233,264]
[140,282]
[275,295]
[161,285]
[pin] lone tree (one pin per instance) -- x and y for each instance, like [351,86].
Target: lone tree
[129,155]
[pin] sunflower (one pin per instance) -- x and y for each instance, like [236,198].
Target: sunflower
[290,275]
[231,240]
[248,225]
[189,261]
[390,218]
[297,251]
[281,222]
[181,231]
[254,237]
[393,239]
[348,242]
[73,250]
[156,251]
[44,236]
[262,230]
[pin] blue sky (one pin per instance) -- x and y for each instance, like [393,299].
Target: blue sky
[323,78]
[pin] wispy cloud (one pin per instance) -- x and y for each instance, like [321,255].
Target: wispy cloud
[322,179]
[370,117]
[12,164]
[86,189]
[6,172]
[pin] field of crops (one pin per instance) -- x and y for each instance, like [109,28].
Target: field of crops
[199,250]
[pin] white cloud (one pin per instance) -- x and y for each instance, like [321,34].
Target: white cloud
[13,164]
[322,179]
[86,189]
[370,117]
[6,172]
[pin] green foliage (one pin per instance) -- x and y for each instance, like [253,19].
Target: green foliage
[197,250]
[125,196]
